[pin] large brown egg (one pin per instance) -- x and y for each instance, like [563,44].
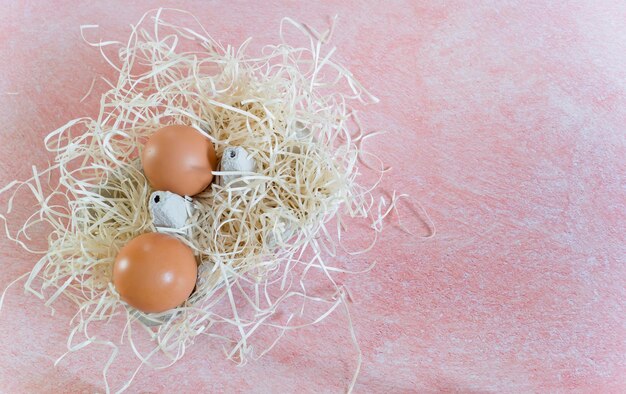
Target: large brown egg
[179,159]
[155,272]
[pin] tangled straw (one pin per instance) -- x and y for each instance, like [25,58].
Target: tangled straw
[255,244]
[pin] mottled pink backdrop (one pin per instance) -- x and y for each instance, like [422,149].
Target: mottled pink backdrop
[507,121]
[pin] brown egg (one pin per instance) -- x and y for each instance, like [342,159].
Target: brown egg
[155,272]
[179,159]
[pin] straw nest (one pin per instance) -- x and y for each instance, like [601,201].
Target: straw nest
[288,106]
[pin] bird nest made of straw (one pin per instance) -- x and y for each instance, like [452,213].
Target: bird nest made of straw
[288,106]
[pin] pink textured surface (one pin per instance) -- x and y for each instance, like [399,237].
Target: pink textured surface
[508,123]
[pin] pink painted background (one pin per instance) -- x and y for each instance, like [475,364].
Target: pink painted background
[507,121]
